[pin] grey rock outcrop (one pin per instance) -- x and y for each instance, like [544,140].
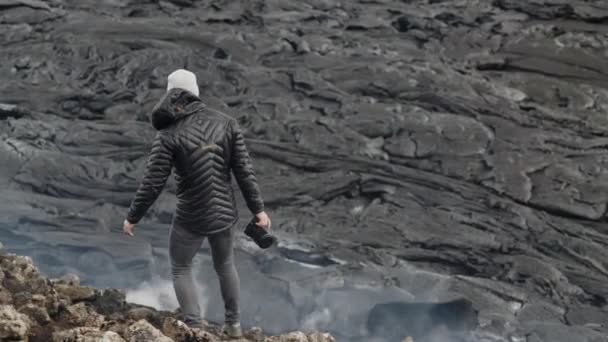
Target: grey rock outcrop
[74,317]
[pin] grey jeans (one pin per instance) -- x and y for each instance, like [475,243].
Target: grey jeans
[183,246]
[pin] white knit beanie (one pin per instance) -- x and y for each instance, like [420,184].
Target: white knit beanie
[183,79]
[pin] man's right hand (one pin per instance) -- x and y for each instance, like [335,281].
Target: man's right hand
[263,220]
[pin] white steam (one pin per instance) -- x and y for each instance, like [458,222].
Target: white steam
[317,320]
[157,293]
[160,294]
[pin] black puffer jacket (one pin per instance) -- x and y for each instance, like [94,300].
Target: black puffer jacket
[204,146]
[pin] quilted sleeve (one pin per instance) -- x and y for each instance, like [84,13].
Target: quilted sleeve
[242,168]
[158,169]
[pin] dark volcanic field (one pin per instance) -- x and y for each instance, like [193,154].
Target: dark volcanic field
[413,151]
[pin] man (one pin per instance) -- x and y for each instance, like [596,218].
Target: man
[203,146]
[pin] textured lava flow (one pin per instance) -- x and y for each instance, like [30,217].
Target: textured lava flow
[408,151]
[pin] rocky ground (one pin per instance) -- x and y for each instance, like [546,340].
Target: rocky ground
[409,151]
[34,308]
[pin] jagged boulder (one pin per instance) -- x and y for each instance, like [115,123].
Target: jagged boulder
[110,301]
[118,326]
[20,275]
[86,334]
[81,314]
[14,326]
[179,331]
[142,331]
[76,293]
[54,304]
[296,336]
[68,279]
[136,312]
[320,337]
[22,298]
[140,313]
[37,313]
[40,300]
[5,296]
[255,334]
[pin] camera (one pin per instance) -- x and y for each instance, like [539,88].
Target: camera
[259,235]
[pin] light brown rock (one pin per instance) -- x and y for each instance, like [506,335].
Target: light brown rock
[53,303]
[320,337]
[298,336]
[117,326]
[68,279]
[21,298]
[39,300]
[86,334]
[137,314]
[76,293]
[179,331]
[82,315]
[13,325]
[295,336]
[142,331]
[5,296]
[36,313]
[20,274]
[255,334]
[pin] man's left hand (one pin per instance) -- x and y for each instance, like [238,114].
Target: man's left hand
[128,228]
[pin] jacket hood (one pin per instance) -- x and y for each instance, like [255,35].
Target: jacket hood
[176,104]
